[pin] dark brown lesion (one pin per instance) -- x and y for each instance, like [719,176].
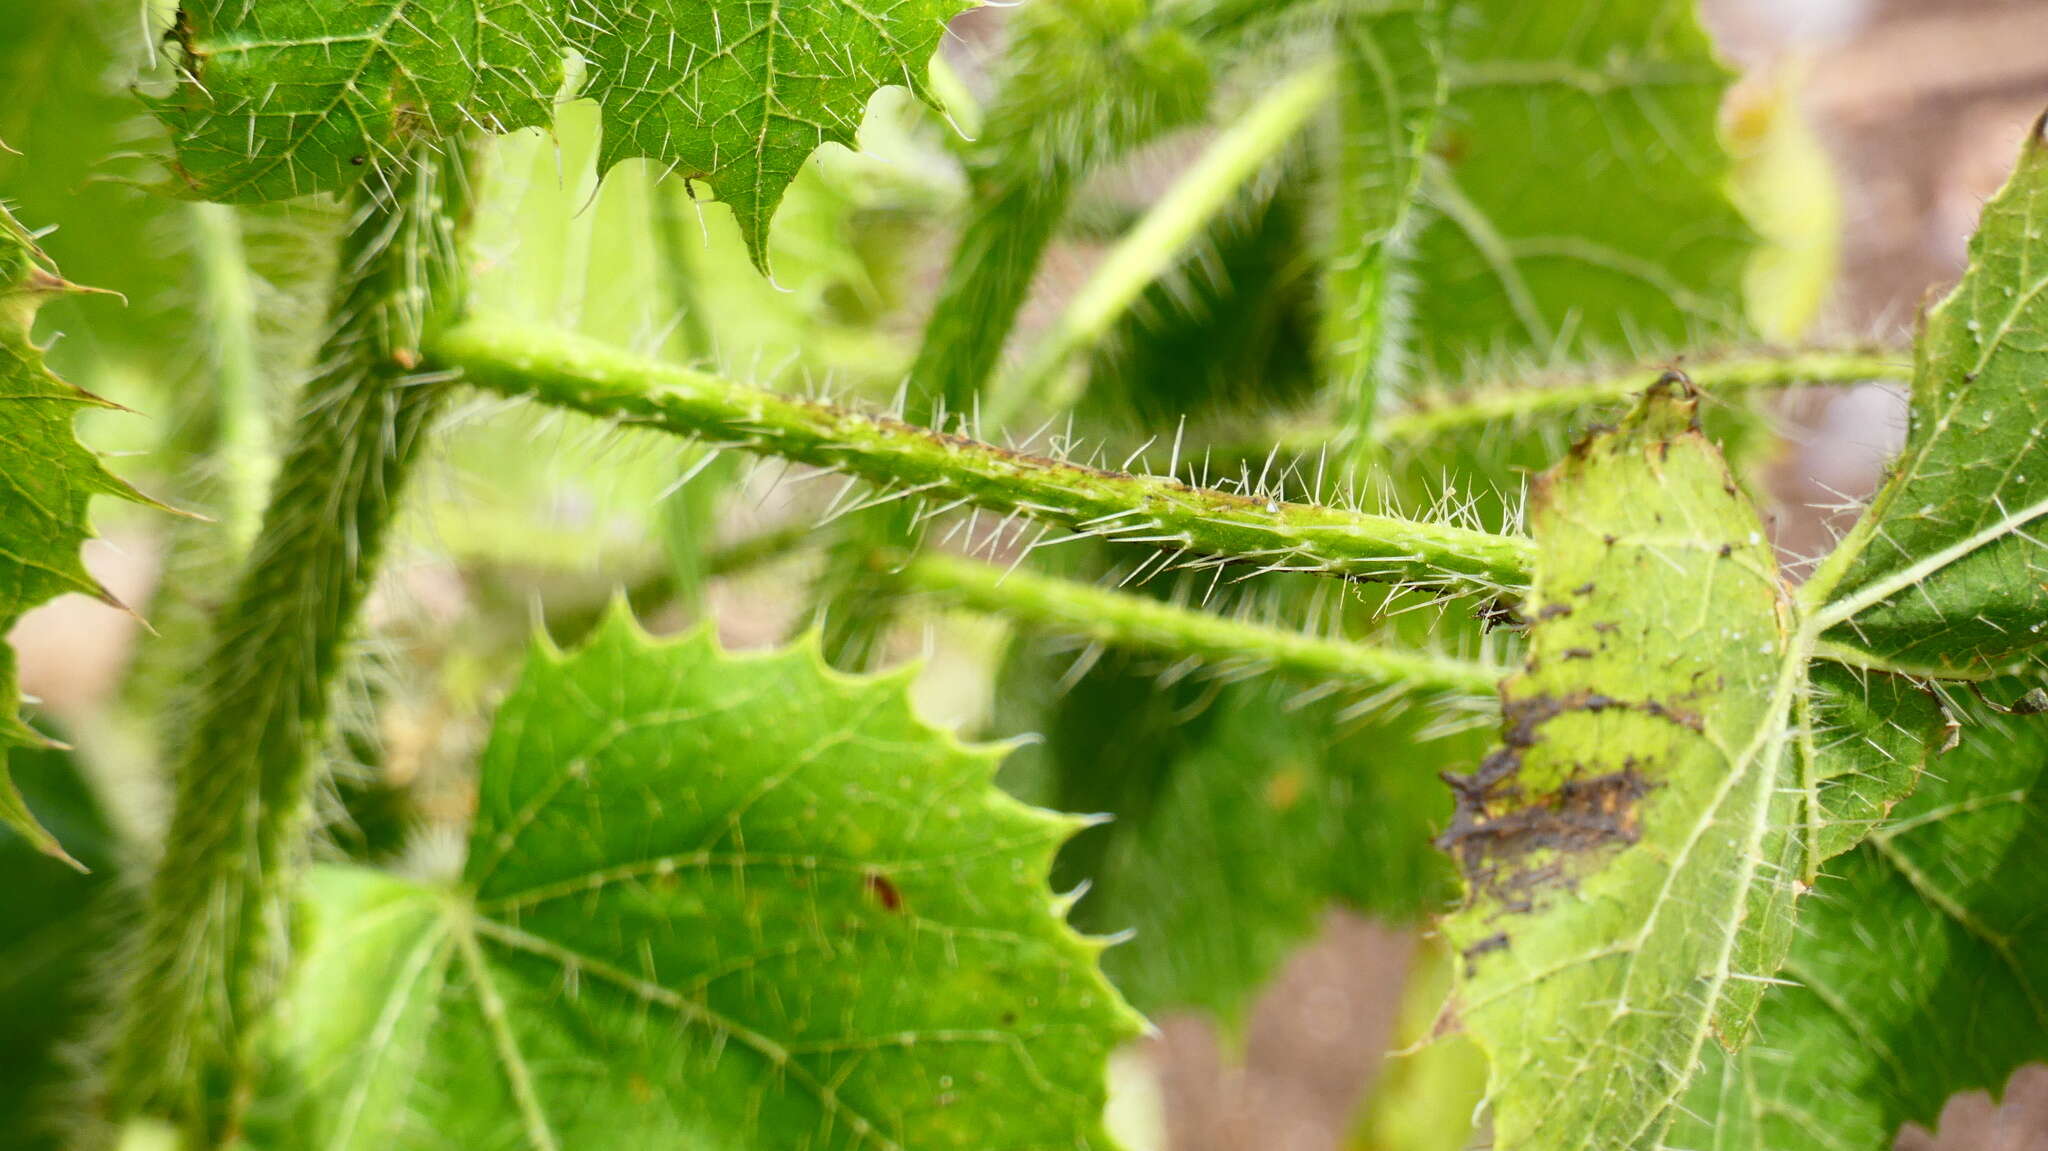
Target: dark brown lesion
[883,890]
[185,36]
[1496,826]
[1498,941]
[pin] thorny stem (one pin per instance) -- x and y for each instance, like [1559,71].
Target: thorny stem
[1389,91]
[1166,229]
[949,471]
[1497,405]
[1120,618]
[1083,81]
[215,936]
[242,448]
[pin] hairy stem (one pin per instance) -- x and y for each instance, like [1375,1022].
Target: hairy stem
[1082,81]
[1138,621]
[1389,90]
[583,375]
[1166,229]
[215,937]
[242,448]
[1498,405]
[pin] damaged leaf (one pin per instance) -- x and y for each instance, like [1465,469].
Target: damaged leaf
[1672,768]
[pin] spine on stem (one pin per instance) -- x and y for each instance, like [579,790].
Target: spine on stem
[214,942]
[1136,621]
[1208,527]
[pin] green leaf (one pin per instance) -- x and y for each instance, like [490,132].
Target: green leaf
[710,901]
[282,100]
[47,481]
[1238,819]
[1918,972]
[1673,767]
[1574,138]
[1946,568]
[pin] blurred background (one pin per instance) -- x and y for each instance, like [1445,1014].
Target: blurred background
[1914,106]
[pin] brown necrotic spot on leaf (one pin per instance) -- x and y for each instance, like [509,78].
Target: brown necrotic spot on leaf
[884,890]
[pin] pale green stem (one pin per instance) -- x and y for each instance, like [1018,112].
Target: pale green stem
[583,375]
[242,447]
[689,514]
[1122,619]
[1389,92]
[1500,405]
[1164,232]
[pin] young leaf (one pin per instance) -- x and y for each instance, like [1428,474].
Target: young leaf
[710,900]
[1918,971]
[1535,247]
[47,481]
[283,100]
[1946,567]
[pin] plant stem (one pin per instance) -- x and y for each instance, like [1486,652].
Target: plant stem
[571,372]
[1082,81]
[242,448]
[1166,229]
[215,937]
[689,514]
[1389,91]
[1496,405]
[1137,621]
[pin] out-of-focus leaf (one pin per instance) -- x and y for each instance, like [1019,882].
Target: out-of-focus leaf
[562,249]
[1786,187]
[1227,332]
[67,113]
[1578,188]
[1241,812]
[1428,1091]
[56,921]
